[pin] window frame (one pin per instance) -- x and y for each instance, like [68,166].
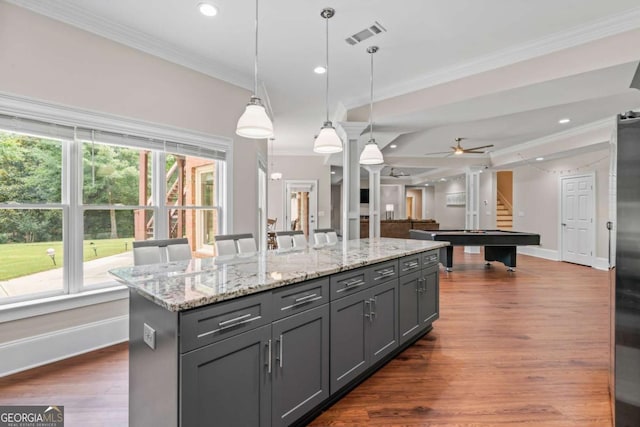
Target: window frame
[74,293]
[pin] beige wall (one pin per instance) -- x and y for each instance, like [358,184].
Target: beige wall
[300,168]
[536,192]
[451,217]
[47,60]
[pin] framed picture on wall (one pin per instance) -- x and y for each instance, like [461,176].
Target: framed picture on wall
[456,199]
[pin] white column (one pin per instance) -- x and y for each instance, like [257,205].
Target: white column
[351,179]
[374,199]
[472,206]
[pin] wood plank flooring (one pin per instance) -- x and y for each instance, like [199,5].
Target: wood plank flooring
[526,348]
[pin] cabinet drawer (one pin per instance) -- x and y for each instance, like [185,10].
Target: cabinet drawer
[209,324]
[297,298]
[350,282]
[410,264]
[429,259]
[384,271]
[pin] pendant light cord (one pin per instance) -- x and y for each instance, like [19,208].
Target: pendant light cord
[371,100]
[327,65]
[255,61]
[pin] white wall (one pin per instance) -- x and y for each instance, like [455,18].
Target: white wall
[449,217]
[487,200]
[48,60]
[300,168]
[429,202]
[392,194]
[536,197]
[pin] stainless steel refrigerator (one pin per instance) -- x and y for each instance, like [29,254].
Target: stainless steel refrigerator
[625,273]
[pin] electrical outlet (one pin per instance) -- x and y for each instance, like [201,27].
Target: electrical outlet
[149,336]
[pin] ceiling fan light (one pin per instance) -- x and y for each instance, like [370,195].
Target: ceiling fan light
[371,155]
[255,122]
[459,151]
[328,141]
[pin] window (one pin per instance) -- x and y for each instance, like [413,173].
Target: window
[74,198]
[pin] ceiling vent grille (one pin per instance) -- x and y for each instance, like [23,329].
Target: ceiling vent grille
[360,36]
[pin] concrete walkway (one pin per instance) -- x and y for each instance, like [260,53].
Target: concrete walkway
[95,273]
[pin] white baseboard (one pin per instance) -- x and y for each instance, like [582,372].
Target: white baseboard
[535,251]
[601,264]
[553,255]
[27,353]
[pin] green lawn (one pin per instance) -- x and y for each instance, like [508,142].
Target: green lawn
[21,259]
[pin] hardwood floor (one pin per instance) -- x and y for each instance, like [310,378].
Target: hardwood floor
[525,348]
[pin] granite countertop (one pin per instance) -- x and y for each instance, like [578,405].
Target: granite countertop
[184,285]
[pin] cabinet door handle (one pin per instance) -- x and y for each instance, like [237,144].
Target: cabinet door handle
[419,286]
[367,312]
[351,284]
[228,324]
[424,285]
[385,273]
[304,298]
[281,344]
[306,301]
[373,307]
[269,356]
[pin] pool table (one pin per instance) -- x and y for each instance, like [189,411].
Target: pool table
[499,245]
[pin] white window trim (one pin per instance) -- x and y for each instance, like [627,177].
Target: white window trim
[35,109]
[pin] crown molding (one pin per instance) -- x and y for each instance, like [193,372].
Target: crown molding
[73,15]
[601,28]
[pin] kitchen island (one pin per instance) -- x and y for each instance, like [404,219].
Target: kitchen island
[272,338]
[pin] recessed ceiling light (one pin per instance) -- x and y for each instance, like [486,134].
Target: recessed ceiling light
[442,179]
[333,172]
[539,159]
[393,146]
[426,185]
[207,9]
[320,70]
[564,121]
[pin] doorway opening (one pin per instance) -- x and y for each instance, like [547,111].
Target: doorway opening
[301,206]
[504,200]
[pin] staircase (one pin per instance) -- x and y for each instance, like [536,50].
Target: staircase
[504,218]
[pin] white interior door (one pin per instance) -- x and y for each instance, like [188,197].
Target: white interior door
[301,206]
[577,219]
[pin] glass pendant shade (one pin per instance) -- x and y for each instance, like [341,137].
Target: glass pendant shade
[328,140]
[371,155]
[254,122]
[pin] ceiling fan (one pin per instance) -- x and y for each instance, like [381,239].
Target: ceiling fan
[399,174]
[459,149]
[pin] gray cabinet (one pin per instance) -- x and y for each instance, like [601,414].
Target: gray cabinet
[228,383]
[271,358]
[418,295]
[300,364]
[364,329]
[429,296]
[409,310]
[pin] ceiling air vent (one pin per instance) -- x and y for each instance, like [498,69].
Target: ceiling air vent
[361,36]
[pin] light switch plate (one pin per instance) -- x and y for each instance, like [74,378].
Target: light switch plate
[149,336]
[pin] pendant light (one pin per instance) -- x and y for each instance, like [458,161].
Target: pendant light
[371,155]
[255,122]
[275,176]
[328,140]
